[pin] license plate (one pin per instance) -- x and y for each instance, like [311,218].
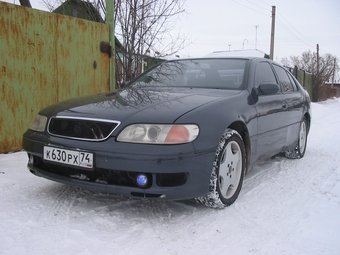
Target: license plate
[69,157]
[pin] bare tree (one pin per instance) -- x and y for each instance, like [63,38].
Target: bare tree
[323,68]
[51,4]
[145,29]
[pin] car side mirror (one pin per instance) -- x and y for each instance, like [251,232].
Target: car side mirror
[269,88]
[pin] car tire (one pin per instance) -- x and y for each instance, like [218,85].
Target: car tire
[228,171]
[300,148]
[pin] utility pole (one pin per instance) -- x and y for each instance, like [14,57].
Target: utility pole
[317,82]
[317,60]
[333,73]
[112,63]
[272,33]
[256,36]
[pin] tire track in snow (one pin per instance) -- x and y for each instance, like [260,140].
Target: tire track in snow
[163,225]
[267,193]
[57,211]
[60,203]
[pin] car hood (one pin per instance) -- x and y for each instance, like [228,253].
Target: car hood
[148,105]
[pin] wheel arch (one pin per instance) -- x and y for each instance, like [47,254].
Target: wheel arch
[242,129]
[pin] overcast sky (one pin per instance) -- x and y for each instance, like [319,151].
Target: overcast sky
[300,25]
[217,25]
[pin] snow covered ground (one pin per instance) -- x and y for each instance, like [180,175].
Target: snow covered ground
[285,207]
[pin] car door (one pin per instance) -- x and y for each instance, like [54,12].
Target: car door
[293,101]
[271,123]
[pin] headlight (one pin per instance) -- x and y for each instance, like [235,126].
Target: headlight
[158,134]
[38,123]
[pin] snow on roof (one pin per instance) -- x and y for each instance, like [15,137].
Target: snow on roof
[239,53]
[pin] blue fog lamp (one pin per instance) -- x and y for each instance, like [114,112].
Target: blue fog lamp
[142,180]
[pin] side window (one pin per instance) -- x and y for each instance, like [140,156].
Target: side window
[285,81]
[293,82]
[264,74]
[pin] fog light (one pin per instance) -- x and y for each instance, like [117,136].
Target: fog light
[142,180]
[31,159]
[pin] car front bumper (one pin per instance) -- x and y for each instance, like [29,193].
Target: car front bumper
[174,171]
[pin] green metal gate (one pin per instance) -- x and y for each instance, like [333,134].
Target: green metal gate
[45,58]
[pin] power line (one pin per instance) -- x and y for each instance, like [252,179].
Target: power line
[280,20]
[265,3]
[296,29]
[297,36]
[257,5]
[250,8]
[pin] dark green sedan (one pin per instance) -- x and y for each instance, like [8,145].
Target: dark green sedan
[189,128]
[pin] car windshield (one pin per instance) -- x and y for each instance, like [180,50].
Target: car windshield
[196,73]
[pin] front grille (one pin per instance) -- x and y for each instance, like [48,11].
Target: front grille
[82,128]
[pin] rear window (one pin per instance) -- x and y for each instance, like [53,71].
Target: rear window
[196,73]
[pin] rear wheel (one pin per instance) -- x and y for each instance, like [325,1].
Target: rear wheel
[300,148]
[228,171]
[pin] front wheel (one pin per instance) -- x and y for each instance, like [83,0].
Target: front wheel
[228,171]
[300,148]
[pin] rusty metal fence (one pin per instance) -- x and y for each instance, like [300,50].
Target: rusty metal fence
[45,58]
